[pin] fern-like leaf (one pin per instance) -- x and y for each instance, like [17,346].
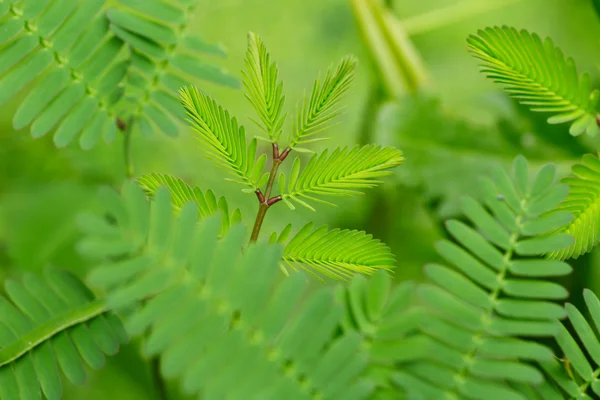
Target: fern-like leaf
[321,108]
[182,193]
[264,91]
[165,57]
[345,172]
[223,141]
[486,306]
[537,74]
[583,202]
[215,314]
[336,253]
[51,325]
[389,324]
[67,47]
[577,376]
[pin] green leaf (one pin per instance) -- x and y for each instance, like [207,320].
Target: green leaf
[336,253]
[537,74]
[583,201]
[487,311]
[205,300]
[79,93]
[223,141]
[343,173]
[182,193]
[43,322]
[264,91]
[165,56]
[321,108]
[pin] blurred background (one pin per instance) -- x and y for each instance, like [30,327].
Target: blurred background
[452,125]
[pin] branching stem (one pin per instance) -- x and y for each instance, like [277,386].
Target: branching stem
[264,200]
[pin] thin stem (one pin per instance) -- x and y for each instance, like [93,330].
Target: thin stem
[161,388]
[265,201]
[441,17]
[126,128]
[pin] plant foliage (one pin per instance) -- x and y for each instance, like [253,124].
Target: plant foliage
[583,202]
[182,193]
[485,309]
[579,380]
[389,322]
[334,253]
[51,325]
[67,47]
[223,140]
[318,110]
[342,173]
[165,56]
[264,90]
[216,315]
[536,73]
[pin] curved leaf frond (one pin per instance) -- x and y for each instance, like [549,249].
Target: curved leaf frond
[537,74]
[583,202]
[182,193]
[207,301]
[78,63]
[223,140]
[335,253]
[166,56]
[264,91]
[321,108]
[581,359]
[345,172]
[484,308]
[51,325]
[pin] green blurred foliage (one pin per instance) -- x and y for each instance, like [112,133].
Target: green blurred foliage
[42,189]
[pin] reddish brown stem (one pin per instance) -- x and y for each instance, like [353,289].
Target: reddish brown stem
[264,200]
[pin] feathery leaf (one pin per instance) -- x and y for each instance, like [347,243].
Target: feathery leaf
[321,108]
[390,327]
[66,46]
[264,91]
[208,301]
[336,253]
[483,310]
[165,56]
[583,356]
[51,325]
[223,141]
[343,173]
[583,202]
[182,193]
[537,74]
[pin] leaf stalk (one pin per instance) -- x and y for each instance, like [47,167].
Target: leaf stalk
[264,200]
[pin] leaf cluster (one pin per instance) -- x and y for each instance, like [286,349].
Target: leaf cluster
[81,65]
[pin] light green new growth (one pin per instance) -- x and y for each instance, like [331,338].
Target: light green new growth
[216,315]
[583,202]
[263,90]
[182,193]
[224,142]
[537,74]
[336,253]
[342,173]
[321,108]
